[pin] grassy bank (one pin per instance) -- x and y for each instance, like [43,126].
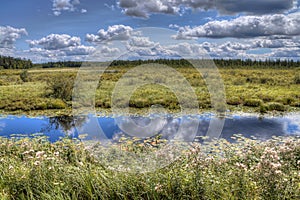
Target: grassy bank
[37,169]
[252,90]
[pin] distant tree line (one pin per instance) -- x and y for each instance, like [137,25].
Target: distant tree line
[7,62]
[59,64]
[18,63]
[221,63]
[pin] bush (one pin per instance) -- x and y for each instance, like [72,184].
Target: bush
[296,104]
[56,104]
[61,87]
[234,101]
[276,106]
[239,81]
[253,102]
[24,76]
[297,79]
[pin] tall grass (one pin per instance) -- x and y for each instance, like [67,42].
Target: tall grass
[242,86]
[248,169]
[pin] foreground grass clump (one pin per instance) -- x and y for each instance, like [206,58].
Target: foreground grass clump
[247,169]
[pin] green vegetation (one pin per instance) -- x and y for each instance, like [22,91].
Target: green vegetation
[14,63]
[250,87]
[60,87]
[248,169]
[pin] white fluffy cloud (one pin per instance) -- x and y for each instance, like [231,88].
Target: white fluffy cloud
[9,35]
[64,5]
[141,8]
[109,51]
[141,42]
[278,47]
[290,53]
[276,42]
[56,41]
[56,45]
[245,27]
[115,32]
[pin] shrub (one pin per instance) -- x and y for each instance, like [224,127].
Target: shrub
[253,102]
[56,104]
[24,76]
[234,101]
[61,87]
[105,103]
[276,106]
[296,104]
[263,108]
[297,79]
[239,81]
[266,97]
[288,100]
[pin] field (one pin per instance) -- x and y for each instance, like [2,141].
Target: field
[247,169]
[251,90]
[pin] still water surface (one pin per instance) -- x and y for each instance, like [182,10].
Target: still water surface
[57,127]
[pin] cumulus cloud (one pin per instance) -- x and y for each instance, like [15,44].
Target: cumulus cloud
[83,11]
[245,27]
[9,35]
[153,52]
[64,5]
[115,32]
[58,45]
[109,51]
[276,42]
[141,42]
[188,50]
[141,8]
[79,50]
[69,51]
[56,41]
[289,53]
[283,48]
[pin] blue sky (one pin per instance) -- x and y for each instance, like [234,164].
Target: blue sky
[52,30]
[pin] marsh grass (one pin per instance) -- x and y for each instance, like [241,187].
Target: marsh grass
[68,169]
[241,86]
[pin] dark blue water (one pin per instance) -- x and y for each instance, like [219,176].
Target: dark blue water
[168,126]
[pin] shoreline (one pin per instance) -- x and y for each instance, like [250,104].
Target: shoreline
[241,111]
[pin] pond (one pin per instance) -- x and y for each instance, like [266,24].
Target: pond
[110,128]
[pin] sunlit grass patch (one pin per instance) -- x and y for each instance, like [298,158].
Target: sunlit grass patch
[69,169]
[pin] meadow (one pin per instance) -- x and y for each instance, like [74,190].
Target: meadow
[49,91]
[68,169]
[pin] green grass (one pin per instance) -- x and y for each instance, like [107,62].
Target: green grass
[242,88]
[248,169]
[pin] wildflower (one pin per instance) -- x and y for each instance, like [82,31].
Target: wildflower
[56,153]
[241,166]
[278,172]
[275,165]
[10,167]
[28,152]
[50,158]
[39,154]
[37,163]
[158,187]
